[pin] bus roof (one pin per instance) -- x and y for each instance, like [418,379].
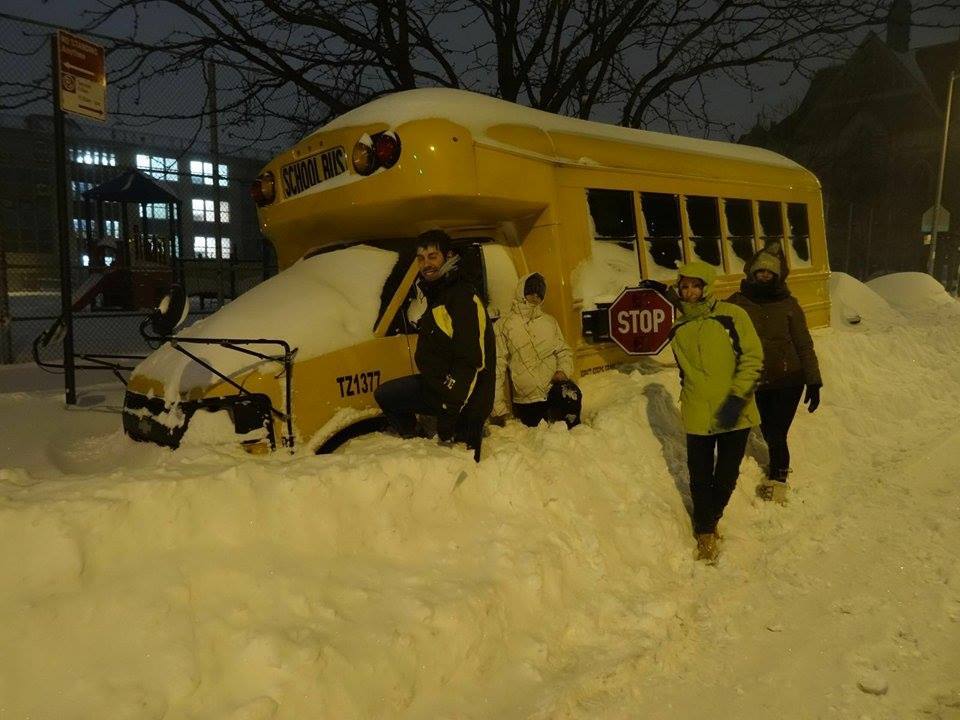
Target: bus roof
[479,113]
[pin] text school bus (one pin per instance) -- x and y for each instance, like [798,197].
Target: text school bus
[594,208]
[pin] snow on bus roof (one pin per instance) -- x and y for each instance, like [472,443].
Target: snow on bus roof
[479,112]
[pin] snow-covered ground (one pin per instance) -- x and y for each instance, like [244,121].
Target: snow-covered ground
[398,579]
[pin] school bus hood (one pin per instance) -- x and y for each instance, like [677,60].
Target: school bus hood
[318,305]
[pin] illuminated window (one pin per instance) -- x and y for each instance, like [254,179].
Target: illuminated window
[159,167]
[201,173]
[157,211]
[88,156]
[203,210]
[79,187]
[206,247]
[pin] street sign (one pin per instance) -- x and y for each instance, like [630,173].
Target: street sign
[640,321]
[83,76]
[943,220]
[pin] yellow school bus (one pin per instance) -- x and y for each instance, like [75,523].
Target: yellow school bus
[593,207]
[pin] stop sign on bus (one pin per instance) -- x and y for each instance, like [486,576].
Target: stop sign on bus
[640,321]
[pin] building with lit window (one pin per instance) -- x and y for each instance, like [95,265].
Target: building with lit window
[28,224]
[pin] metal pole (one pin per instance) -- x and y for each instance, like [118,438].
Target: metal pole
[943,160]
[215,151]
[182,272]
[6,321]
[846,258]
[66,291]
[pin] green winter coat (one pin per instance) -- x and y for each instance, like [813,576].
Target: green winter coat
[719,354]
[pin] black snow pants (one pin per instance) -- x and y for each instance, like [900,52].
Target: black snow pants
[402,399]
[777,408]
[714,464]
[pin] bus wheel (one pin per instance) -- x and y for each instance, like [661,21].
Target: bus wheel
[364,427]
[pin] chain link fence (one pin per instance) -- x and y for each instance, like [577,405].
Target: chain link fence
[167,129]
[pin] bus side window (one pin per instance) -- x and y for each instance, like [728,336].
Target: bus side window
[771,222]
[704,216]
[613,264]
[799,235]
[663,243]
[739,216]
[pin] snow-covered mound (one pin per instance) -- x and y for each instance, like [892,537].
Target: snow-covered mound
[852,302]
[554,579]
[913,291]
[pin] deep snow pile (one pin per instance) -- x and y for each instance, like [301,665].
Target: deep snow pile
[398,579]
[852,302]
[913,291]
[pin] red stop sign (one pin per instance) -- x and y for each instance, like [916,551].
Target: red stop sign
[640,321]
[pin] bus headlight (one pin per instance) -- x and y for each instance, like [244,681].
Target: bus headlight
[380,151]
[364,159]
[386,146]
[263,190]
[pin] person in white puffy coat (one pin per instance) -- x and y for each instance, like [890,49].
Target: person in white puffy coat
[532,349]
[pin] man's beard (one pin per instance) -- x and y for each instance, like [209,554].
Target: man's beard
[449,265]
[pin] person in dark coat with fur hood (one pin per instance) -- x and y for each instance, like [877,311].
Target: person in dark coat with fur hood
[789,360]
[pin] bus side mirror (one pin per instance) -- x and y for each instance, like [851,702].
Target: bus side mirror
[171,312]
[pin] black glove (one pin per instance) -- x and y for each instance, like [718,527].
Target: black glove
[653,285]
[446,425]
[812,398]
[670,293]
[729,412]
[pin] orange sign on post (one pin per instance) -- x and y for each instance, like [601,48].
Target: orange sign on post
[83,76]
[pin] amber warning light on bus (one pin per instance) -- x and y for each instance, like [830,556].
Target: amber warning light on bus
[378,151]
[263,190]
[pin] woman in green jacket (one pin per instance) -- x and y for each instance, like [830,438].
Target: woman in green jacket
[720,357]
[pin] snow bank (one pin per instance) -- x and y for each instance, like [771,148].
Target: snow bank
[398,579]
[852,302]
[913,291]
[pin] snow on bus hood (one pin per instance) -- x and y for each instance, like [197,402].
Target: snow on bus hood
[318,305]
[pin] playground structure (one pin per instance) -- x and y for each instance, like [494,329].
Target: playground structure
[133,271]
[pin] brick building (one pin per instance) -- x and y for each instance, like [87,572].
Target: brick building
[871,129]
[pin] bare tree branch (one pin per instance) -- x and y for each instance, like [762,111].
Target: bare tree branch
[296,63]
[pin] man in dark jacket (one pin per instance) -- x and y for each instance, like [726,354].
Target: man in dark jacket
[456,354]
[789,360]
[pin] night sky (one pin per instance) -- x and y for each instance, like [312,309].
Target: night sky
[729,103]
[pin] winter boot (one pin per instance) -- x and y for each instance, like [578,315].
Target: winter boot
[707,547]
[773,491]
